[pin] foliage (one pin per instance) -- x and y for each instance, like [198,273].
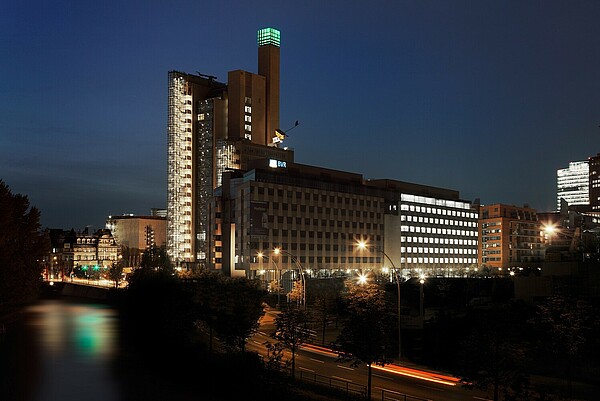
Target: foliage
[156,258]
[493,355]
[364,336]
[231,307]
[275,356]
[564,321]
[22,246]
[157,306]
[115,273]
[237,317]
[326,294]
[291,331]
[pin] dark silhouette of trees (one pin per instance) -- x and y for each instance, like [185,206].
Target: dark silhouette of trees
[326,295]
[291,331]
[564,321]
[115,273]
[230,307]
[493,354]
[238,312]
[22,246]
[156,257]
[365,333]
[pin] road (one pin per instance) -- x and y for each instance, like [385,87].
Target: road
[390,382]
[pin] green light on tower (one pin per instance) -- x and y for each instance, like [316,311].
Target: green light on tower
[269,36]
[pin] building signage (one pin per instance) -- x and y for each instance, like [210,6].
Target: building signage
[259,218]
[277,163]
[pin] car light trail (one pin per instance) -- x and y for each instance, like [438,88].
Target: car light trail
[419,374]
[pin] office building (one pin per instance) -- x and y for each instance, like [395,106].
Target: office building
[215,127]
[510,238]
[573,184]
[316,218]
[594,183]
[135,234]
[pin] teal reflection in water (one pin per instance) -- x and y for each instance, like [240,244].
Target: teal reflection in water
[90,332]
[77,343]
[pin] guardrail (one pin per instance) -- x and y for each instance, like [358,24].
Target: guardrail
[339,384]
[389,395]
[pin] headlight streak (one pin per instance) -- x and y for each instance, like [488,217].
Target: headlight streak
[445,380]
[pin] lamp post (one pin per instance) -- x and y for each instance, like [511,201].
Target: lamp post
[362,245]
[277,251]
[421,312]
[277,273]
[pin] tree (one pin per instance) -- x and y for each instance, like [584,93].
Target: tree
[238,312]
[492,355]
[156,258]
[291,331]
[22,247]
[364,335]
[157,307]
[564,320]
[115,273]
[326,294]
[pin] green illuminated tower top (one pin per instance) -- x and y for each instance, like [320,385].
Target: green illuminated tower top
[269,36]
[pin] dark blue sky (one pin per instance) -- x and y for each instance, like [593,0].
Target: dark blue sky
[489,98]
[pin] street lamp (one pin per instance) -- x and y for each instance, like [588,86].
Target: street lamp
[362,245]
[575,244]
[277,273]
[277,251]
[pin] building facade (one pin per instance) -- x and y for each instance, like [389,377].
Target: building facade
[573,184]
[510,237]
[317,217]
[215,127]
[594,183]
[135,234]
[80,253]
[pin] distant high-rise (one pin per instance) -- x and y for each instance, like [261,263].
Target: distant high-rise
[594,182]
[215,127]
[573,184]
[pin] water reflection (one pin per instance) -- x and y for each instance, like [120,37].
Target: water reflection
[69,352]
[88,331]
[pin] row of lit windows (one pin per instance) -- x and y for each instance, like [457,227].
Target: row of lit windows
[437,240]
[432,220]
[438,211]
[419,249]
[435,201]
[434,230]
[319,211]
[428,260]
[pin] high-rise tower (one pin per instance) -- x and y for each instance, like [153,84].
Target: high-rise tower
[268,67]
[572,184]
[215,127]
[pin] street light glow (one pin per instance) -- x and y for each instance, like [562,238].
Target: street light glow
[550,229]
[362,278]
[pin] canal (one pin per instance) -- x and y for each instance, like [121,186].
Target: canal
[60,350]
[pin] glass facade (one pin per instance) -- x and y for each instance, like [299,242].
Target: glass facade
[572,184]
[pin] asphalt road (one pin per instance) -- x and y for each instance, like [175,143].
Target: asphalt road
[391,382]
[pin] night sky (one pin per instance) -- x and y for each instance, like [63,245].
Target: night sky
[488,98]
